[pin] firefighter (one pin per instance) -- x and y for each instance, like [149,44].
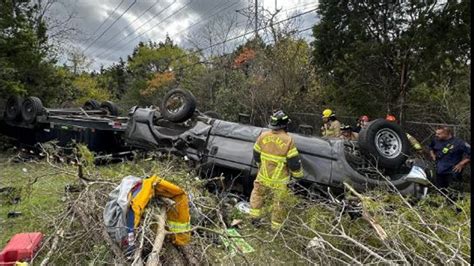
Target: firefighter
[348,134]
[362,122]
[451,156]
[415,144]
[331,127]
[277,159]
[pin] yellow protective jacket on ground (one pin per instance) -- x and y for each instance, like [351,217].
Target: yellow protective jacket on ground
[178,218]
[331,129]
[277,158]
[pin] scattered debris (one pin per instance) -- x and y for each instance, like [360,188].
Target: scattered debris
[9,195]
[243,207]
[13,214]
[235,222]
[21,247]
[234,242]
[316,242]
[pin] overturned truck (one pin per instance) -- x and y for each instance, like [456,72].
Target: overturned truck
[381,157]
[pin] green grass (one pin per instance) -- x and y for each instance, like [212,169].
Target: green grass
[41,188]
[40,200]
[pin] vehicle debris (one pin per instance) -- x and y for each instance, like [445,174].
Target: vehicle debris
[235,243]
[243,207]
[14,214]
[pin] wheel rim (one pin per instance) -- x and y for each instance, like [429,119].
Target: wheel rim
[29,110]
[388,143]
[175,104]
[107,109]
[12,110]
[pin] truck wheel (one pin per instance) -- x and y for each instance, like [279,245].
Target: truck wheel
[13,108]
[213,114]
[110,108]
[386,143]
[91,105]
[178,105]
[31,108]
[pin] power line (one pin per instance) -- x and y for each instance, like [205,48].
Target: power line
[247,33]
[143,24]
[305,29]
[123,13]
[207,18]
[128,26]
[207,62]
[105,20]
[151,28]
[239,36]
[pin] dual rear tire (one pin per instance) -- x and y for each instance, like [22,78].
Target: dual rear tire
[18,109]
[109,107]
[27,110]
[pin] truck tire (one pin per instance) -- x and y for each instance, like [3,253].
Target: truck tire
[213,114]
[384,143]
[91,105]
[31,108]
[13,108]
[110,108]
[173,112]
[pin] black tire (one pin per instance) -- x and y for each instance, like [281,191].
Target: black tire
[184,111]
[13,108]
[213,114]
[385,143]
[110,108]
[91,105]
[31,108]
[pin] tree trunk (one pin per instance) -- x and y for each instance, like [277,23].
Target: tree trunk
[403,91]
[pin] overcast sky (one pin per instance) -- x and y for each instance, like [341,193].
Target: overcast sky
[104,39]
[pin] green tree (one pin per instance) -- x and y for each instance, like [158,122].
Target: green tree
[86,88]
[27,66]
[115,79]
[152,62]
[371,54]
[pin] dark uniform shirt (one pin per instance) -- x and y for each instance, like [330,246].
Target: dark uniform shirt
[449,153]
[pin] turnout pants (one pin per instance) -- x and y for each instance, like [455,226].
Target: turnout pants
[260,195]
[178,218]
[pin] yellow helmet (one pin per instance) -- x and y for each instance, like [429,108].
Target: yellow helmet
[327,113]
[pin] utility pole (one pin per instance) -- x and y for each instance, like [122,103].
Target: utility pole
[256,18]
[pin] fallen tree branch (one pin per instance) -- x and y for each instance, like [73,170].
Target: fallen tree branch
[154,257]
[104,235]
[54,246]
[365,214]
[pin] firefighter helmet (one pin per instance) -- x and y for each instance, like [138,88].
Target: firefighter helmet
[346,127]
[364,118]
[390,118]
[279,120]
[328,113]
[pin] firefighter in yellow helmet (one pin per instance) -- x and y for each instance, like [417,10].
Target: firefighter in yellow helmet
[331,127]
[277,159]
